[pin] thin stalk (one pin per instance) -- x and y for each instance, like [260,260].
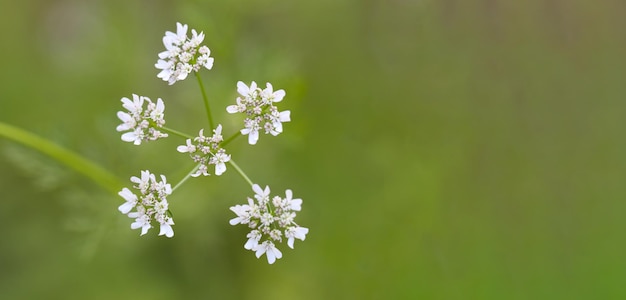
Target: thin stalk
[206,101]
[186,177]
[72,160]
[241,172]
[230,139]
[175,132]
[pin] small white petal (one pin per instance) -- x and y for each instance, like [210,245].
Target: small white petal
[124,117]
[127,195]
[131,137]
[260,250]
[182,149]
[250,244]
[278,95]
[253,137]
[220,168]
[276,252]
[257,189]
[167,230]
[285,116]
[271,256]
[218,130]
[209,63]
[296,204]
[145,229]
[126,207]
[242,88]
[232,109]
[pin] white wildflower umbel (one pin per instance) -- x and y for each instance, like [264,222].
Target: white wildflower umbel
[207,151]
[141,124]
[271,220]
[150,206]
[183,55]
[258,106]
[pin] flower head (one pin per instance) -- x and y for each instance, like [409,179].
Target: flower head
[150,206]
[258,106]
[182,55]
[271,219]
[141,124]
[207,151]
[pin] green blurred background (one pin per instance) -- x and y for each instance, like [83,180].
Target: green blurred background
[444,149]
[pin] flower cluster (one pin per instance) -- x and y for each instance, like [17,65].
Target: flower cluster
[142,123]
[150,205]
[271,220]
[207,151]
[182,55]
[258,105]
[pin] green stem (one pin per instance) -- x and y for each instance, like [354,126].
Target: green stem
[241,172]
[74,161]
[230,139]
[175,132]
[206,101]
[186,177]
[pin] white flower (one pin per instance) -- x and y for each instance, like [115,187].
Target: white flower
[243,214]
[141,124]
[269,221]
[252,130]
[135,136]
[219,160]
[189,148]
[271,96]
[162,188]
[262,195]
[253,239]
[217,138]
[150,206]
[258,106]
[157,112]
[171,38]
[131,201]
[166,227]
[268,248]
[128,121]
[202,170]
[276,235]
[143,183]
[182,55]
[142,222]
[161,207]
[292,204]
[295,233]
[135,107]
[207,151]
[249,92]
[276,120]
[236,108]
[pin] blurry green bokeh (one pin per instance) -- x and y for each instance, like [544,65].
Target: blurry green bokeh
[443,149]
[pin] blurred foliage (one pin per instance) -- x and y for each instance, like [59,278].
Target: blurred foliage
[444,149]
